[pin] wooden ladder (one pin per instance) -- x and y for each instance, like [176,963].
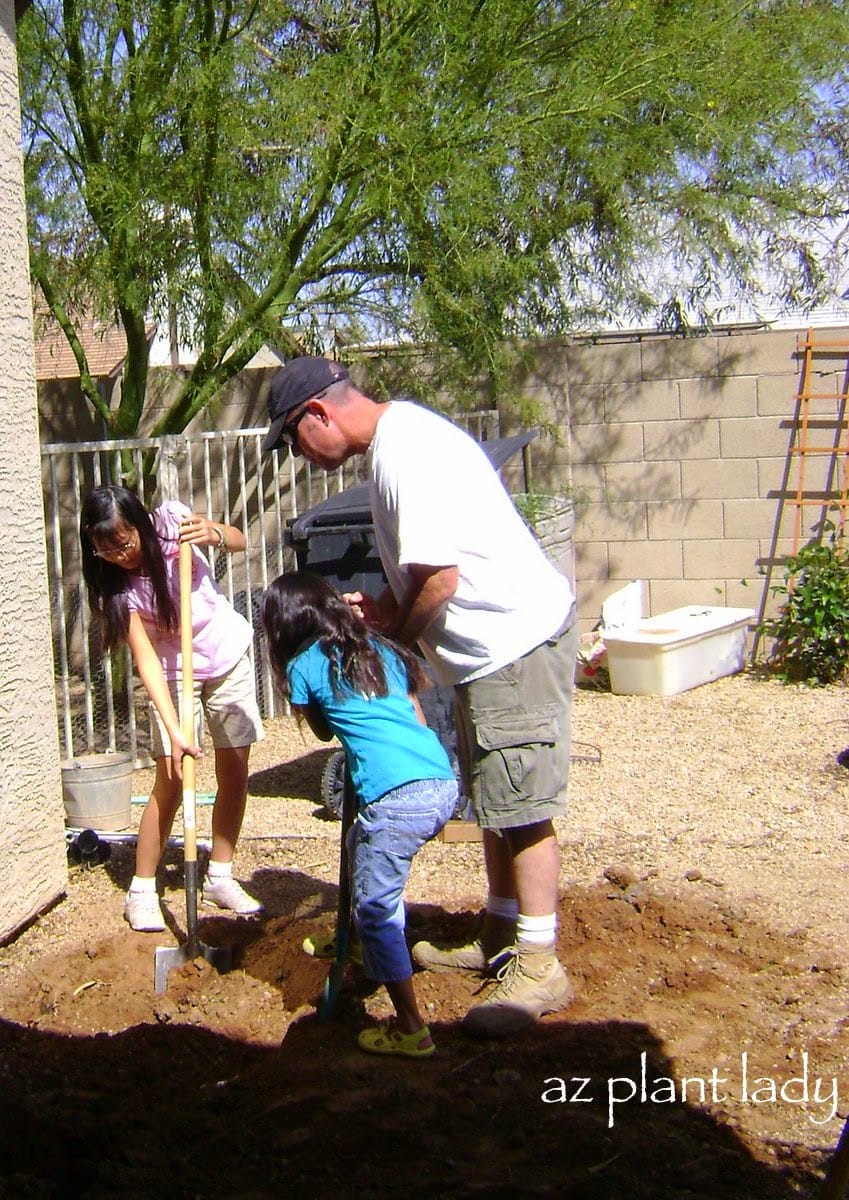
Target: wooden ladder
[814,435]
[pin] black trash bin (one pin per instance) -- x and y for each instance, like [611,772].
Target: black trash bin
[335,539]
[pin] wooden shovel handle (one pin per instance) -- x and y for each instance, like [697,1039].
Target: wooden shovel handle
[187,702]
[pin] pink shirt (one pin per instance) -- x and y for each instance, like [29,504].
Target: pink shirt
[220,636]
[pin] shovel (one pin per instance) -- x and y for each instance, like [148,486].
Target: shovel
[167,957]
[333,982]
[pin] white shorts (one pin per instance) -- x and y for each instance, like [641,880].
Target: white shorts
[229,705]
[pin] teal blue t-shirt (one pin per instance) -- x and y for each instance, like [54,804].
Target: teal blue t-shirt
[385,742]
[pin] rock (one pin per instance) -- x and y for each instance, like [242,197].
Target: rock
[621,877]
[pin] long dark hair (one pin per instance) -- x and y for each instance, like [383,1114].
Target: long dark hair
[301,608]
[102,511]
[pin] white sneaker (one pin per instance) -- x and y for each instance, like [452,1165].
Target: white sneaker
[143,912]
[226,892]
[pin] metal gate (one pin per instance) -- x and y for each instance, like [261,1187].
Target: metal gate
[224,475]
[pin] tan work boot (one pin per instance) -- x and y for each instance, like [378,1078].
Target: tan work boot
[531,982]
[496,937]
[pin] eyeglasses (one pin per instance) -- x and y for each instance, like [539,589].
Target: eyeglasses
[117,551]
[289,432]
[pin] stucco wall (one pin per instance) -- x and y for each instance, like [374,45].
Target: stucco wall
[676,449]
[32,844]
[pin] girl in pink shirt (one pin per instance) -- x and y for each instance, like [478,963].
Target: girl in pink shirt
[131,571]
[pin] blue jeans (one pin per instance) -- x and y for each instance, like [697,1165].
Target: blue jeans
[381,844]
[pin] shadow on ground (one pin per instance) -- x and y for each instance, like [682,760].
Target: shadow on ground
[178,1111]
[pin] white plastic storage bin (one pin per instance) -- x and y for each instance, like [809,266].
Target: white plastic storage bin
[677,650]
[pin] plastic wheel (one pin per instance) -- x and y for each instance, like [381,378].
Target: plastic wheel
[333,783]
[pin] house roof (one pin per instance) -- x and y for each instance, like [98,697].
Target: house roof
[105,346]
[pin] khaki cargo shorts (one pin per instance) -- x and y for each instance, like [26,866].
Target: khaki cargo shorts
[229,705]
[514,733]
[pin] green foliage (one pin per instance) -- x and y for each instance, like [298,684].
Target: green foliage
[461,175]
[811,630]
[535,507]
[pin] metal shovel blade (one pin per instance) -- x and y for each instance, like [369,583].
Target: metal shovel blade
[168,957]
[335,975]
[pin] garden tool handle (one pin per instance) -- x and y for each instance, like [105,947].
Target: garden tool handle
[187,703]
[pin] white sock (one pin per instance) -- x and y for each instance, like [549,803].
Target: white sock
[143,883]
[536,931]
[503,907]
[219,870]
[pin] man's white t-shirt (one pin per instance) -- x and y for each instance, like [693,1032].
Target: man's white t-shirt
[437,501]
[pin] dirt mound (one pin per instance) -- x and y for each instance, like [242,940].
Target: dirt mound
[671,1075]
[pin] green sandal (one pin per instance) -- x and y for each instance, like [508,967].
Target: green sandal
[385,1039]
[324,946]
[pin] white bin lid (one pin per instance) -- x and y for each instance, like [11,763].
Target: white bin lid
[679,625]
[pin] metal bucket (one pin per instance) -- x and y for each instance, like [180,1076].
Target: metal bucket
[97,791]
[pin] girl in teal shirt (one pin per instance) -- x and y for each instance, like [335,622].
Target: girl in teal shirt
[349,683]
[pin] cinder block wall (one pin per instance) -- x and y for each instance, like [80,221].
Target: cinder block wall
[676,448]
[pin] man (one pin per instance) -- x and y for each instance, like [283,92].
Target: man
[470,585]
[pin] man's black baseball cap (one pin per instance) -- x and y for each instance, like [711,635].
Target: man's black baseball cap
[296,382]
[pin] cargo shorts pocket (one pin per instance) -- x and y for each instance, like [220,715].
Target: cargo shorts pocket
[520,747]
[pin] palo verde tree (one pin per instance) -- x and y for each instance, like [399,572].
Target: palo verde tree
[467,174]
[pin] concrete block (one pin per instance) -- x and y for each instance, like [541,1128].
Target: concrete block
[679,357]
[652,400]
[779,393]
[684,519]
[646,560]
[813,475]
[643,481]
[783,547]
[723,396]
[550,470]
[622,521]
[586,403]
[766,352]
[744,593]
[799,530]
[607,443]
[667,594]
[797,526]
[718,478]
[748,518]
[680,440]
[714,558]
[551,401]
[591,560]
[739,437]
[589,482]
[604,361]
[770,475]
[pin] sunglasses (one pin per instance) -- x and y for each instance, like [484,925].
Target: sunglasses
[289,432]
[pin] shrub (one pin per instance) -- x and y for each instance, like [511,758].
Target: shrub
[811,630]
